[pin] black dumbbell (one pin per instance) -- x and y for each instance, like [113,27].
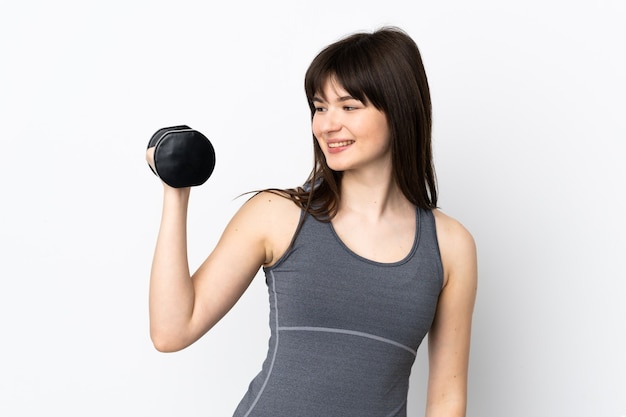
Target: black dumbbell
[183,157]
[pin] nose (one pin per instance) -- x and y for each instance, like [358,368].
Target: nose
[326,122]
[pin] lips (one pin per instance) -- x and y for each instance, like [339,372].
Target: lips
[340,144]
[336,146]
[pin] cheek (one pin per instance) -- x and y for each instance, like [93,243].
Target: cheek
[320,146]
[315,127]
[316,132]
[384,133]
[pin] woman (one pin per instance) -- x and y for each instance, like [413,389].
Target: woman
[360,263]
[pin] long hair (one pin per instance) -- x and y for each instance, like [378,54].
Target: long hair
[383,68]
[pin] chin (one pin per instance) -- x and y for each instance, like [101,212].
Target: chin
[337,167]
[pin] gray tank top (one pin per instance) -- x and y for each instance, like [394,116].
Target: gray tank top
[344,329]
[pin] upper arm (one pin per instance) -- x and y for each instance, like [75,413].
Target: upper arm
[449,337]
[254,236]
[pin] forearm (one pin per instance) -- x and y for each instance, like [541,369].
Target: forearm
[448,408]
[448,353]
[448,375]
[171,287]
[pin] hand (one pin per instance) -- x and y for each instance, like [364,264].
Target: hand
[150,158]
[186,157]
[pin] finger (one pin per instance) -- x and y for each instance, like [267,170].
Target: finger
[150,157]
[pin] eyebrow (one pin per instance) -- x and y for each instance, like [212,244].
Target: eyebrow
[344,98]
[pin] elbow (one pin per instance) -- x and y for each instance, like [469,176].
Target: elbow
[169,338]
[164,346]
[166,343]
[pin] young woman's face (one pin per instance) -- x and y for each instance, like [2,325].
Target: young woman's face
[352,134]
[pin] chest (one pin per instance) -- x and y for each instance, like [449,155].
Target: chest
[323,283]
[384,241]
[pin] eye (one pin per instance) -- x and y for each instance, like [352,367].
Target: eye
[319,109]
[352,104]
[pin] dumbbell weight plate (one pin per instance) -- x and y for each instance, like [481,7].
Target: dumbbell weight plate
[183,157]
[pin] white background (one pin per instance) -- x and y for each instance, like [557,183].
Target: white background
[529,124]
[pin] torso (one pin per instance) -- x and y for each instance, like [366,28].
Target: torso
[345,328]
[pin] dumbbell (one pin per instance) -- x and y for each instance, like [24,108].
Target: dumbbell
[183,157]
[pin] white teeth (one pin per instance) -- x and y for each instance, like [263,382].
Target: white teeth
[338,144]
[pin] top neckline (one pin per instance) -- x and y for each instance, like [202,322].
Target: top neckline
[404,260]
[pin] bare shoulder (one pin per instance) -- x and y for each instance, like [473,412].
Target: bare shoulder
[275,217]
[451,231]
[270,206]
[456,245]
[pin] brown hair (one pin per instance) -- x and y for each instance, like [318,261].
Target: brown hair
[383,68]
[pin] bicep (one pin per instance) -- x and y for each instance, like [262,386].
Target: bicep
[228,271]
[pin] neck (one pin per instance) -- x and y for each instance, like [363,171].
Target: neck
[371,195]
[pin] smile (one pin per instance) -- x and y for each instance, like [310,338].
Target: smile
[340,144]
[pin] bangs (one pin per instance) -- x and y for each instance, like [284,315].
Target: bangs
[350,66]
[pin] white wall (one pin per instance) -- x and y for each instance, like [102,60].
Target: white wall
[529,105]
